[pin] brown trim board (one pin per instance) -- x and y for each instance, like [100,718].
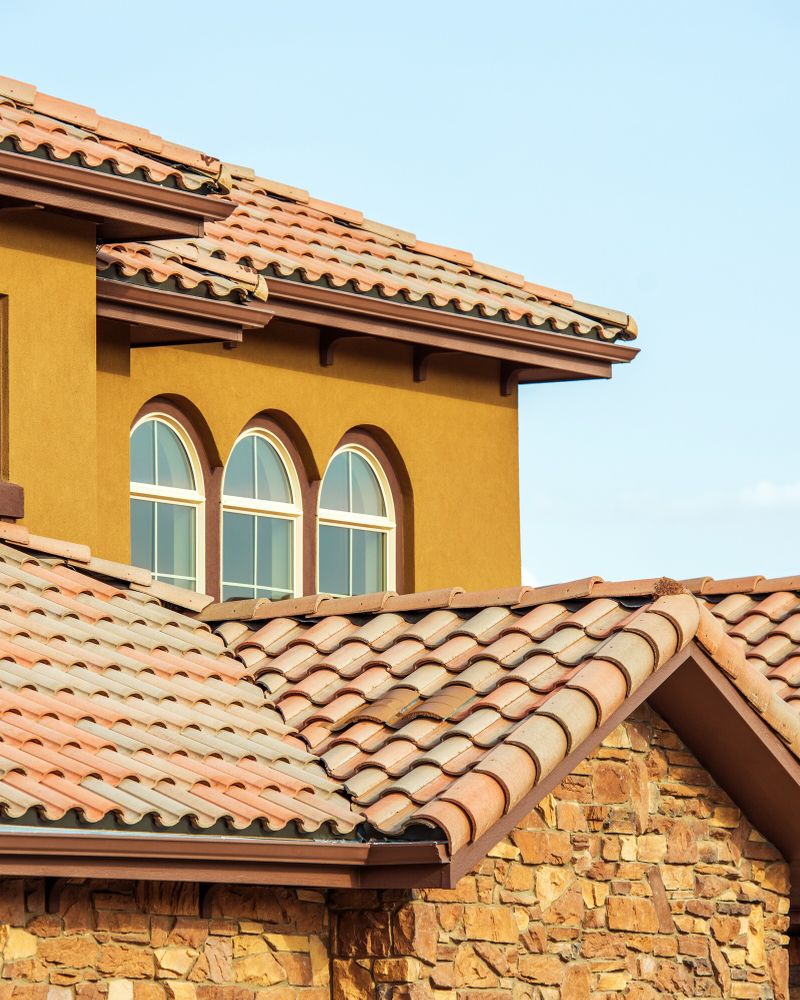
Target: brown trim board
[539,354]
[124,209]
[159,318]
[198,858]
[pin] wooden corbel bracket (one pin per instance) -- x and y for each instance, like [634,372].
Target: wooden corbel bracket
[328,339]
[509,377]
[420,358]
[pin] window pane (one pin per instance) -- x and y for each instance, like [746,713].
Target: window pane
[272,482]
[369,561]
[239,472]
[238,549]
[230,591]
[366,496]
[177,581]
[143,533]
[175,540]
[172,463]
[334,486]
[334,575]
[143,467]
[274,559]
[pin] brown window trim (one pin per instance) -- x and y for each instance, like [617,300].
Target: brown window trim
[291,437]
[385,453]
[212,468]
[190,420]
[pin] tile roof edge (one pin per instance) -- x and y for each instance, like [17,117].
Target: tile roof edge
[80,557]
[729,657]
[89,120]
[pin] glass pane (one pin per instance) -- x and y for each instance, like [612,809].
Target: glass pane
[366,495]
[272,482]
[230,591]
[143,465]
[334,575]
[334,486]
[177,581]
[142,533]
[172,463]
[239,472]
[274,560]
[238,549]
[175,540]
[368,561]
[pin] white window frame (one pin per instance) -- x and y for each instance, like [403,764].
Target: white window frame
[170,494]
[247,505]
[341,518]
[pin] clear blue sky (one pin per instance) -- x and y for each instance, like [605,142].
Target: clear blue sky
[641,155]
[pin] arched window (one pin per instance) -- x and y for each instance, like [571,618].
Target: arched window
[261,521]
[356,526]
[166,503]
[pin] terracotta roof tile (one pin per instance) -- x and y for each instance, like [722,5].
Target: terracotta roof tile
[387,711]
[280,232]
[35,123]
[91,675]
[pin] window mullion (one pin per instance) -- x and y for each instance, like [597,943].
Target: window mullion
[255,539]
[155,538]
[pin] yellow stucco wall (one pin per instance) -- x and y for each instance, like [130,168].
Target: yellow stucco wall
[73,395]
[47,282]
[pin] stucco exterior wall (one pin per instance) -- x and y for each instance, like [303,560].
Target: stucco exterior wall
[455,433]
[70,394]
[636,878]
[47,312]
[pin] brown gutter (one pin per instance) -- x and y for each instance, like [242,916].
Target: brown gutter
[123,209]
[199,858]
[159,318]
[535,352]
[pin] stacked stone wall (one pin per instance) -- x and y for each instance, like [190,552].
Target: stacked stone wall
[92,940]
[637,878]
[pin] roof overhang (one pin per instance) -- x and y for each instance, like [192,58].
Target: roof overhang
[159,318]
[197,858]
[527,354]
[123,209]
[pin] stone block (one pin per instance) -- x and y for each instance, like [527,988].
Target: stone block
[415,931]
[490,923]
[546,970]
[629,913]
[351,981]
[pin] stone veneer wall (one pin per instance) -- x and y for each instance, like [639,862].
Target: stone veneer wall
[637,878]
[66,940]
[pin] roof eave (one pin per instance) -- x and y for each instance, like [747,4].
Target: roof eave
[87,853]
[158,317]
[123,209]
[528,354]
